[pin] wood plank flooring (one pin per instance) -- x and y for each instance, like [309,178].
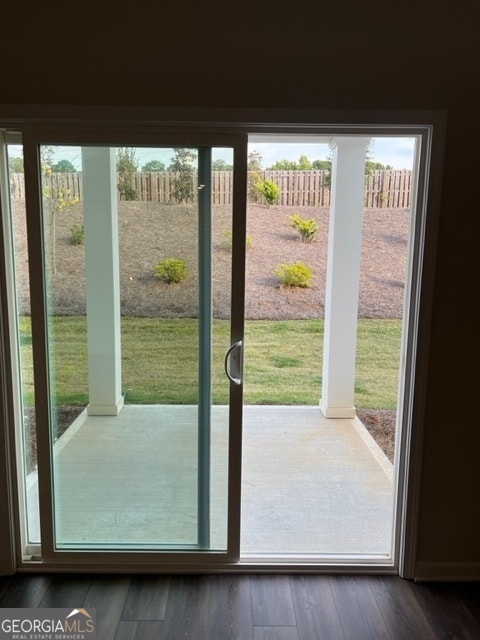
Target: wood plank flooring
[257,607]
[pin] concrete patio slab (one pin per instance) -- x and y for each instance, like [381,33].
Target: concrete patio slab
[311,486]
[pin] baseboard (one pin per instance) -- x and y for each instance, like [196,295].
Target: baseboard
[447,571]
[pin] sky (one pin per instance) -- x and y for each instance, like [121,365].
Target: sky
[396,151]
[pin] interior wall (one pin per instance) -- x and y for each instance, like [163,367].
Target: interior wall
[347,54]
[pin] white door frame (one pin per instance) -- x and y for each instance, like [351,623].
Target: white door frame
[430,128]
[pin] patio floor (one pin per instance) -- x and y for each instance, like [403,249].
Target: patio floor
[311,485]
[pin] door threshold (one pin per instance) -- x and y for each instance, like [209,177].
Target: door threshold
[245,566]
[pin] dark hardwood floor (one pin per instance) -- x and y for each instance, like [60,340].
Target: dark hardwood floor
[254,607]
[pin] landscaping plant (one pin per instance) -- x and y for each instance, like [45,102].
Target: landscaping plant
[78,234]
[171,270]
[56,198]
[270,191]
[127,166]
[294,275]
[183,164]
[306,229]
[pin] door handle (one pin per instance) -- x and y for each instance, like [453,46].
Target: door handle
[233,362]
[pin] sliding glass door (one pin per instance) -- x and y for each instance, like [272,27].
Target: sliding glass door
[137,363]
[122,331]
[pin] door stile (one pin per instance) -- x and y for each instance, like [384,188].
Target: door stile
[237,327]
[205,342]
[9,412]
[38,298]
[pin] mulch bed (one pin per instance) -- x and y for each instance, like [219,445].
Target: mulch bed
[150,232]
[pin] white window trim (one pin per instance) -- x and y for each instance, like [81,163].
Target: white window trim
[428,124]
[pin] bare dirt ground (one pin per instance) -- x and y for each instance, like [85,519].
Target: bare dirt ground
[150,232]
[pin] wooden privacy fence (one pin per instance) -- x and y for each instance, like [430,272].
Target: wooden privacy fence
[389,189]
[383,189]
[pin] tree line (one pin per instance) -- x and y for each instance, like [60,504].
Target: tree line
[184,159]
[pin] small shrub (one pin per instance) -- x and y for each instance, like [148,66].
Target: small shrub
[254,187]
[306,229]
[77,234]
[294,275]
[171,270]
[270,191]
[127,190]
[229,240]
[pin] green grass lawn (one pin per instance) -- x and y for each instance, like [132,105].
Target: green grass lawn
[283,361]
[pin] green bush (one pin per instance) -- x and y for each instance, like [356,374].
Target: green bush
[306,229]
[254,184]
[171,270]
[78,234]
[269,190]
[294,275]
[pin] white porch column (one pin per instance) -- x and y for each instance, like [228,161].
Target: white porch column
[343,275]
[102,280]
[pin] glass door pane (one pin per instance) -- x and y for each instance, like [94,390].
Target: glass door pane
[138,266]
[19,309]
